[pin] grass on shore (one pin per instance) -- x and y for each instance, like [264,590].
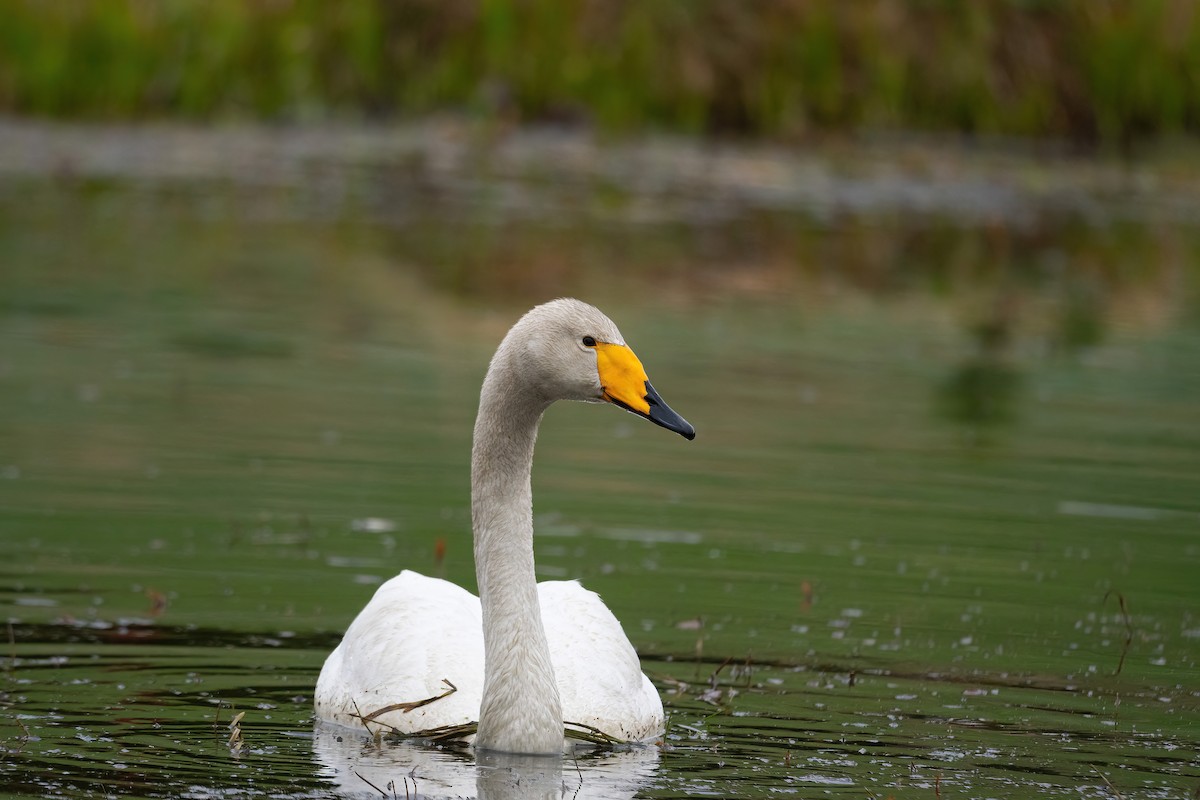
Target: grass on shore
[1114,72]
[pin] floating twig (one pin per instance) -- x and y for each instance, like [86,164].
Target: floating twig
[382,793]
[407,707]
[748,667]
[1128,627]
[235,734]
[25,734]
[587,733]
[452,734]
[391,785]
[375,734]
[1108,783]
[579,788]
[446,734]
[712,679]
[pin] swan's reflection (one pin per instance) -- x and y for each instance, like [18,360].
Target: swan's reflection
[361,767]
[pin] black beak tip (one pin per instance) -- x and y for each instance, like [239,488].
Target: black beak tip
[662,414]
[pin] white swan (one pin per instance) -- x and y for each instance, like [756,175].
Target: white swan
[525,657]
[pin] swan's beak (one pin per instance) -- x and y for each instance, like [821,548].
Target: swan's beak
[624,383]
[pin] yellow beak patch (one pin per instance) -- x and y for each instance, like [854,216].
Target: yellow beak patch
[622,377]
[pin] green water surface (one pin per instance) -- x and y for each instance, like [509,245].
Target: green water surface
[899,559]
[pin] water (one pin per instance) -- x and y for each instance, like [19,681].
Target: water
[932,539]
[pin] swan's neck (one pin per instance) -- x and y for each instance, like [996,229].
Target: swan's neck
[521,711]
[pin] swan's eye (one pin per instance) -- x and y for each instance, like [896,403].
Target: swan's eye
[588,341]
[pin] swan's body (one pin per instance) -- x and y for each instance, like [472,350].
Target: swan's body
[417,631]
[524,657]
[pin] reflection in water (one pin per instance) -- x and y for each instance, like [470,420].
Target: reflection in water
[505,775]
[1081,322]
[982,391]
[355,763]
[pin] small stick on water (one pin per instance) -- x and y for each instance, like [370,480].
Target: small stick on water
[1128,627]
[447,734]
[406,707]
[235,733]
[590,734]
[578,788]
[450,734]
[375,734]
[382,793]
[25,734]
[358,715]
[1108,783]
[712,679]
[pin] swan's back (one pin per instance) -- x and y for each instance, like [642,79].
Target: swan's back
[599,676]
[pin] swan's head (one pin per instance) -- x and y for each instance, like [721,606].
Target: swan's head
[569,350]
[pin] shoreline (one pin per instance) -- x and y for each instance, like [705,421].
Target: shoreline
[563,174]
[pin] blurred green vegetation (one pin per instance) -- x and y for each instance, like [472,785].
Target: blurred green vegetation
[1112,72]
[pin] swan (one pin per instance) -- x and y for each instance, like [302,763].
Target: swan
[522,658]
